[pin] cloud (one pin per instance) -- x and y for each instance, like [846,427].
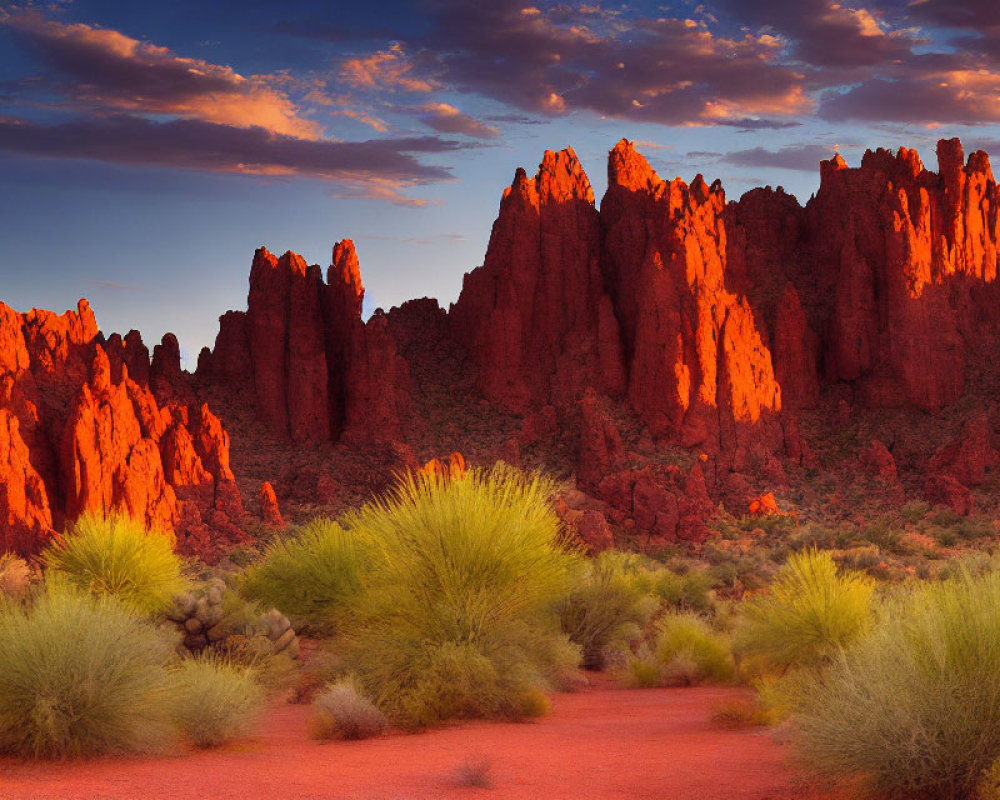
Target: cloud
[803,157]
[384,190]
[446,118]
[555,59]
[389,69]
[955,97]
[105,69]
[824,33]
[978,19]
[209,147]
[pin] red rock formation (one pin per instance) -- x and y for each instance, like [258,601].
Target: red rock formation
[601,449]
[764,506]
[944,490]
[448,468]
[906,257]
[79,435]
[878,461]
[698,367]
[166,378]
[25,517]
[535,316]
[269,510]
[971,455]
[316,369]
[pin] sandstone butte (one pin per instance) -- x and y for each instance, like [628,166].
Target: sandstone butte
[670,320]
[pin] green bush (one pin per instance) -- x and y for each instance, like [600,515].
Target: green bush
[690,591]
[117,556]
[457,618]
[312,578]
[343,712]
[913,707]
[689,651]
[810,614]
[214,701]
[610,605]
[80,675]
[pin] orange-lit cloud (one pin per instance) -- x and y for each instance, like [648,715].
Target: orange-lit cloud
[445,118]
[386,69]
[108,70]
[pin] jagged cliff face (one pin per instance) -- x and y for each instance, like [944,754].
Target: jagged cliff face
[315,370]
[702,324]
[78,435]
[535,316]
[910,257]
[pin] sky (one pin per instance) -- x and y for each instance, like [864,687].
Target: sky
[148,148]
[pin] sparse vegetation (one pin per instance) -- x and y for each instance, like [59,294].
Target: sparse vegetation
[15,577]
[912,708]
[343,712]
[214,701]
[476,773]
[117,556]
[736,713]
[689,651]
[80,675]
[611,603]
[313,578]
[811,612]
[457,615]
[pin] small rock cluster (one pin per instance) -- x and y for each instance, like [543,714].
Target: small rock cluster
[204,620]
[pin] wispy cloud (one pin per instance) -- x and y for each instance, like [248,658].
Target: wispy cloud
[206,146]
[445,118]
[102,69]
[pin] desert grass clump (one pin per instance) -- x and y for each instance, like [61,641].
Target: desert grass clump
[912,708]
[214,701]
[457,618]
[740,713]
[476,772]
[81,675]
[610,605]
[690,652]
[343,712]
[313,578]
[811,613]
[117,556]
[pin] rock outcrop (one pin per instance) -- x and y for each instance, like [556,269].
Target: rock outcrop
[78,435]
[315,369]
[535,316]
[661,349]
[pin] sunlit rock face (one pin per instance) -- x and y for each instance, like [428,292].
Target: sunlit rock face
[79,436]
[669,320]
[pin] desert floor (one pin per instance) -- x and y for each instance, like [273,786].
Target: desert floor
[601,742]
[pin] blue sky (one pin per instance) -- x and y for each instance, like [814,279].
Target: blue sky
[146,149]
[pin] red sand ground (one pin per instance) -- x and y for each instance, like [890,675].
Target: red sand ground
[598,743]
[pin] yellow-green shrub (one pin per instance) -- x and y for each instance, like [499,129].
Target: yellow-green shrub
[117,556]
[214,701]
[609,606]
[912,708]
[312,578]
[81,675]
[810,614]
[689,651]
[456,617]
